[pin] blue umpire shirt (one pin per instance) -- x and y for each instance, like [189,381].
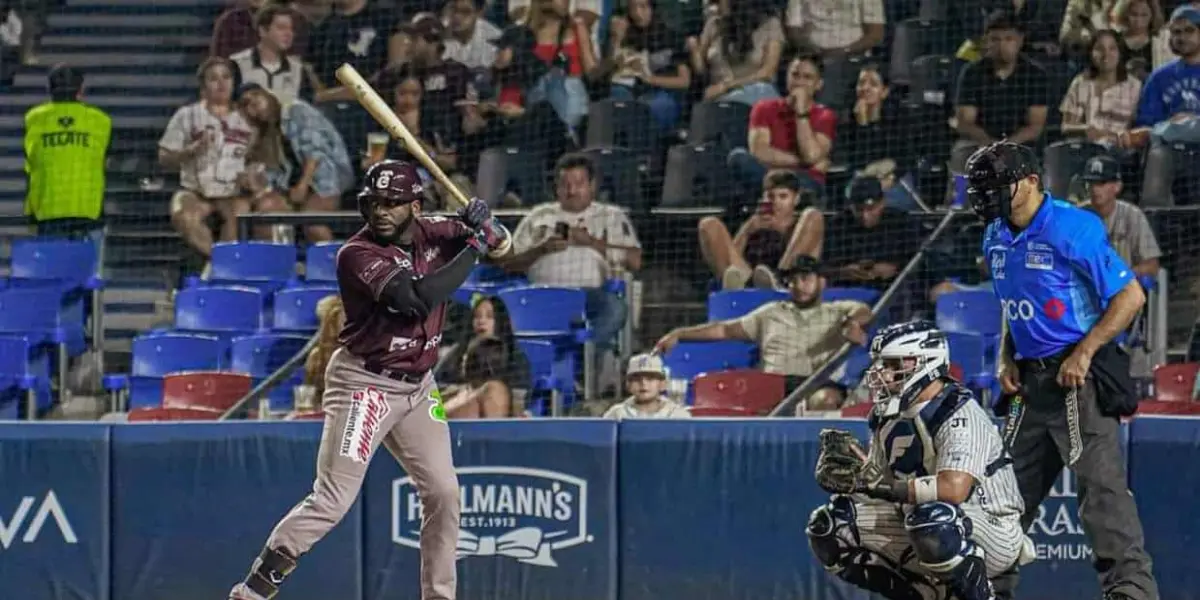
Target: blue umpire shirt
[1055,278]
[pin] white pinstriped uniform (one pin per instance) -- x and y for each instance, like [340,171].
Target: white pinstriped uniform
[968,441]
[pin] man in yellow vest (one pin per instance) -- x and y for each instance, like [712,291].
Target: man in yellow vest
[66,142]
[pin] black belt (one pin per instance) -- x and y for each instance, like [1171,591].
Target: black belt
[401,376]
[1037,365]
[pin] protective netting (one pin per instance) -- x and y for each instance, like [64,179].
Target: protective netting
[650,152]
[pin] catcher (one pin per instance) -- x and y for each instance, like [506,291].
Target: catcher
[931,510]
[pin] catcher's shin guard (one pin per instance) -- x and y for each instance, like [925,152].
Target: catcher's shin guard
[269,570]
[940,534]
[834,539]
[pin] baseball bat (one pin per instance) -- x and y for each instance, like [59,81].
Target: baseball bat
[385,116]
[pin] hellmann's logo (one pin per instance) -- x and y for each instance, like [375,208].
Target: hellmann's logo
[515,512]
[28,521]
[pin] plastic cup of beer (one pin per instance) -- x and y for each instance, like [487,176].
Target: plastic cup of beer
[377,146]
[304,398]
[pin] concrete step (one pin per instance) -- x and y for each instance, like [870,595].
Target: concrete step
[124,59]
[101,21]
[117,81]
[54,43]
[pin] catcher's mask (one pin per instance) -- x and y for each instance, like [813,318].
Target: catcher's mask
[993,173]
[905,359]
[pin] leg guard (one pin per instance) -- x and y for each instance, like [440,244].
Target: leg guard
[940,535]
[834,539]
[269,570]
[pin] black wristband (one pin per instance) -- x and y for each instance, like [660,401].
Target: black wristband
[896,491]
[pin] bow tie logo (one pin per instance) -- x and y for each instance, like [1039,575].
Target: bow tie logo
[514,513]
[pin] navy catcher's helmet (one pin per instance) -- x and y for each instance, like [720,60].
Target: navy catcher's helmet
[390,182]
[991,171]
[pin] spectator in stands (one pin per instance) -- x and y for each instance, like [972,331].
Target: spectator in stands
[1101,102]
[66,142]
[739,51]
[795,336]
[332,317]
[208,142]
[544,57]
[836,28]
[980,281]
[404,86]
[648,62]
[867,244]
[471,39]
[646,382]
[489,318]
[271,63]
[877,140]
[1141,25]
[1003,96]
[237,30]
[1168,109]
[302,151]
[794,133]
[1129,230]
[485,394]
[446,83]
[578,242]
[784,227]
[358,32]
[1161,51]
[1082,19]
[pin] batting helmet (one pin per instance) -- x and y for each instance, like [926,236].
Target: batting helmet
[991,171]
[392,182]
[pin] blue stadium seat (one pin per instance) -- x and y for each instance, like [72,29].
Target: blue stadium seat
[320,262]
[850,373]
[551,373]
[265,265]
[867,296]
[976,354]
[262,354]
[624,123]
[37,314]
[689,359]
[726,124]
[219,308]
[295,309]
[71,262]
[731,304]
[486,280]
[23,373]
[972,311]
[546,312]
[161,353]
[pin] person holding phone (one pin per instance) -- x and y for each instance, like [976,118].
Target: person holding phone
[869,243]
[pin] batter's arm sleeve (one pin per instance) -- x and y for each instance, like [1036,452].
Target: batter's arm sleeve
[436,287]
[1090,253]
[962,443]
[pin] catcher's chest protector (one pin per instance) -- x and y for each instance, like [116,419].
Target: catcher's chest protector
[903,445]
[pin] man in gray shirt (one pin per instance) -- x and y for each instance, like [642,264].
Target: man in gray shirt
[1128,228]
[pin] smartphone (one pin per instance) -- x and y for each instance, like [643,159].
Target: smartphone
[562,230]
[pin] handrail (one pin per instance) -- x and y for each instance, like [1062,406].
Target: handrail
[819,377]
[272,380]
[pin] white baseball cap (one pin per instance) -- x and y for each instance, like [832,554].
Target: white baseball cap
[646,364]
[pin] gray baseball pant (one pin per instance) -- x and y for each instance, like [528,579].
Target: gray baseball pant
[363,410]
[1107,509]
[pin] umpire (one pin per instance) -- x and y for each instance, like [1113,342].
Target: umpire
[1065,295]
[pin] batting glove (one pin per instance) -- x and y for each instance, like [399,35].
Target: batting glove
[475,214]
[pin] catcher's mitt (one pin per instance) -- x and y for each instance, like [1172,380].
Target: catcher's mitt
[842,466]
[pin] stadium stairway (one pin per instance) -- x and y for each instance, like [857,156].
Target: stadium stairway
[140,59]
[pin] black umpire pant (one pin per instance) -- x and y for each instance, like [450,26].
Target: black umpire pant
[1040,448]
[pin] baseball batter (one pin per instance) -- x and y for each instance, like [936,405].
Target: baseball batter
[932,505]
[394,277]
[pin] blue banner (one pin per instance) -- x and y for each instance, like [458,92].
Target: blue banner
[54,511]
[581,509]
[717,509]
[538,513]
[193,504]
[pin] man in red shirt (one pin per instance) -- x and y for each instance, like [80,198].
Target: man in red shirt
[793,133]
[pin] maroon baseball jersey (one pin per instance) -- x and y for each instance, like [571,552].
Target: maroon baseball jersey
[374,332]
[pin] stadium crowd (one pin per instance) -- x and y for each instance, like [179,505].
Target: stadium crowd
[800,141]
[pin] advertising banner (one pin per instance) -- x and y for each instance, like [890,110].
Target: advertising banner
[1164,469]
[193,504]
[54,511]
[538,501]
